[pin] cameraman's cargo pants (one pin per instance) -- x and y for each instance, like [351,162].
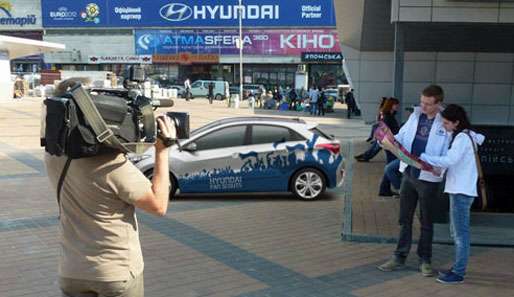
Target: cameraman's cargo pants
[133,287]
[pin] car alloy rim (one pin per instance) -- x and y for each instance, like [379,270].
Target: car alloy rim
[308,185]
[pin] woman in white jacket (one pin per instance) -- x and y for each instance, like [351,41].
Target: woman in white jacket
[461,181]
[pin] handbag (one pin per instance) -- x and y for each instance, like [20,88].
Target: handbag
[481,180]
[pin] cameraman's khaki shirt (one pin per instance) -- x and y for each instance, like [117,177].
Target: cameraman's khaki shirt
[99,231]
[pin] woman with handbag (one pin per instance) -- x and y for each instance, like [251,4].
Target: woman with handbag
[461,178]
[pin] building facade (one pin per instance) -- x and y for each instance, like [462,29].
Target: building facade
[196,39]
[22,18]
[397,47]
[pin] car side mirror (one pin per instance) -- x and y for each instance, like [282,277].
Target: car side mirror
[190,147]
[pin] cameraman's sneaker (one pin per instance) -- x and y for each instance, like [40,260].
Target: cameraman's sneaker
[391,265]
[450,278]
[426,269]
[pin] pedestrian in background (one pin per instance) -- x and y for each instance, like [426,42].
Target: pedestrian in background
[378,119]
[251,101]
[350,104]
[388,112]
[211,92]
[293,97]
[389,109]
[422,133]
[322,101]
[187,86]
[19,88]
[313,100]
[461,180]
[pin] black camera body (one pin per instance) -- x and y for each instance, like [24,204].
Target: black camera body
[126,114]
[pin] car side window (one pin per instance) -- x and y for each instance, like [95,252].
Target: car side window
[225,137]
[262,134]
[196,84]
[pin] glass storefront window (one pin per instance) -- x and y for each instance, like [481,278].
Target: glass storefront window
[327,75]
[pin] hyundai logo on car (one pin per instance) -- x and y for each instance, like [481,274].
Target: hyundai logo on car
[176,12]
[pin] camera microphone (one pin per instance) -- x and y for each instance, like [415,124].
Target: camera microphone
[163,103]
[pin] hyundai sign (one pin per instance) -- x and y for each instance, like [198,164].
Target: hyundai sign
[190,13]
[292,42]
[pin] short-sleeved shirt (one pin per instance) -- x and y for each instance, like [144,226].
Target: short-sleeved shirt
[420,141]
[99,230]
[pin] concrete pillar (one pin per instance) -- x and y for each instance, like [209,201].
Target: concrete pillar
[399,61]
[6,85]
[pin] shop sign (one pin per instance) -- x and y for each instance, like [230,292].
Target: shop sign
[322,58]
[223,42]
[189,13]
[126,59]
[187,59]
[7,18]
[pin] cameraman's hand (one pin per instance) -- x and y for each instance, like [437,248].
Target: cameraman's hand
[167,130]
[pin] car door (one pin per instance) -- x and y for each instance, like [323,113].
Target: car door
[214,165]
[270,158]
[197,89]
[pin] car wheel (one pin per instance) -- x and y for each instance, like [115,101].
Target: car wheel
[308,184]
[173,182]
[218,97]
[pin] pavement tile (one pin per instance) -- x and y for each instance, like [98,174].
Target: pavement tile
[237,245]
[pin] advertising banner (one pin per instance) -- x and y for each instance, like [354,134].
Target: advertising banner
[15,15]
[187,13]
[223,42]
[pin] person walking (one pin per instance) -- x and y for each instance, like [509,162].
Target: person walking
[389,117]
[187,86]
[350,104]
[461,178]
[293,97]
[422,133]
[387,114]
[322,101]
[313,100]
[211,92]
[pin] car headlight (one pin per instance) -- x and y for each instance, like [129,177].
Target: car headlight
[138,158]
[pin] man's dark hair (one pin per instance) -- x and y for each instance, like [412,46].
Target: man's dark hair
[434,91]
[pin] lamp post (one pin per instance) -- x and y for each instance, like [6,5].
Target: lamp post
[241,45]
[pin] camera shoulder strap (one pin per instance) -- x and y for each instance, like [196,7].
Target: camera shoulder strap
[61,181]
[88,108]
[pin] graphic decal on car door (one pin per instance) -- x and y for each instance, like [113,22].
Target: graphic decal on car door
[255,167]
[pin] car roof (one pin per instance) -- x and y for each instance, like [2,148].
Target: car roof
[235,120]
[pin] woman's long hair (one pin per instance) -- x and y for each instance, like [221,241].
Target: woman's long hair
[454,113]
[388,105]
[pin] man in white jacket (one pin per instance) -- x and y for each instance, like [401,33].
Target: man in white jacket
[422,133]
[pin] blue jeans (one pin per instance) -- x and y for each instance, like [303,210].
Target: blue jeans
[314,108]
[460,206]
[372,151]
[392,176]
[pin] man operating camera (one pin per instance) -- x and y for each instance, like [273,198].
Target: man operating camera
[101,253]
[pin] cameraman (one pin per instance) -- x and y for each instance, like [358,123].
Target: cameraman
[100,249]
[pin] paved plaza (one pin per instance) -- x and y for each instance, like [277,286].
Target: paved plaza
[227,245]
